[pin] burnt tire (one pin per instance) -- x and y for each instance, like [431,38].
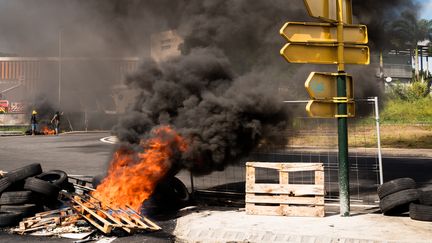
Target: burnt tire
[398,202]
[4,184]
[55,177]
[40,186]
[180,190]
[420,212]
[24,172]
[396,185]
[9,218]
[426,198]
[20,197]
[69,187]
[25,210]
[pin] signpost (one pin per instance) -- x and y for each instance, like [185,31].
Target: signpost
[337,42]
[301,32]
[327,10]
[326,109]
[323,86]
[324,53]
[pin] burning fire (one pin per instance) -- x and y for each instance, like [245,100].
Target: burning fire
[132,176]
[46,131]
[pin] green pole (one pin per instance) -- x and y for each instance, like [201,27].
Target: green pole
[344,197]
[344,193]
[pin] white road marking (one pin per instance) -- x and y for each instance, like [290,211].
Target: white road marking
[110,139]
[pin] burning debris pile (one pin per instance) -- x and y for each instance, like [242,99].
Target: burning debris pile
[27,193]
[133,175]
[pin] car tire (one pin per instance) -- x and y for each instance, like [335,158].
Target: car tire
[24,172]
[55,177]
[180,190]
[426,198]
[420,212]
[40,186]
[26,210]
[20,197]
[4,184]
[398,202]
[396,185]
[9,218]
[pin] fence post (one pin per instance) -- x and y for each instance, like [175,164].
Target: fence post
[377,122]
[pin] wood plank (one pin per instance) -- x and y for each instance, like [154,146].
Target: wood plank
[294,211]
[284,199]
[283,177]
[286,166]
[250,177]
[294,189]
[319,177]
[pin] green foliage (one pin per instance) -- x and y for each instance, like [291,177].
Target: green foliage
[410,92]
[407,111]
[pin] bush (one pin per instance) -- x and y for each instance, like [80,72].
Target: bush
[414,91]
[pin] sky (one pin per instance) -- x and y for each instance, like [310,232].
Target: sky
[426,10]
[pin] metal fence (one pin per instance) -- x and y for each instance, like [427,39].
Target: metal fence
[311,140]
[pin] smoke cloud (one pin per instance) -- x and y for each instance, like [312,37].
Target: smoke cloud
[224,93]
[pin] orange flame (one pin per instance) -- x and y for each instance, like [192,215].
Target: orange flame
[133,176]
[46,131]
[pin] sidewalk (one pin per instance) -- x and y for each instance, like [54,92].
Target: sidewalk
[235,226]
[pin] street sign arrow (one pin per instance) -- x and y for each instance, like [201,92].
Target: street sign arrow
[324,53]
[324,85]
[327,109]
[323,33]
[327,10]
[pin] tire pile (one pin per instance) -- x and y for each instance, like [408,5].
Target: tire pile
[27,191]
[401,195]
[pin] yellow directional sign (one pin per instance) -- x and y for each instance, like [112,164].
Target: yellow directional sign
[324,85]
[327,10]
[327,109]
[324,53]
[323,33]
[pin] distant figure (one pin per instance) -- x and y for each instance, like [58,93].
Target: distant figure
[33,122]
[56,121]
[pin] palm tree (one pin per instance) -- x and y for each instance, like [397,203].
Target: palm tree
[407,31]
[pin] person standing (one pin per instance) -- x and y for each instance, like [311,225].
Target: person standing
[56,121]
[33,122]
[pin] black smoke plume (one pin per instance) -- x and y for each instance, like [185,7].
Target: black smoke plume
[222,93]
[222,115]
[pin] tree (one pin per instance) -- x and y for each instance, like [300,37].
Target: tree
[407,31]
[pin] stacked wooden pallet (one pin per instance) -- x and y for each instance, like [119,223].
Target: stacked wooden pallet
[284,198]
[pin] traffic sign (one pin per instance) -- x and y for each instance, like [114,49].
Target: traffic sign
[327,10]
[324,53]
[327,109]
[324,85]
[323,33]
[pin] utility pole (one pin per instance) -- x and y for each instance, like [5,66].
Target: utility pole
[59,66]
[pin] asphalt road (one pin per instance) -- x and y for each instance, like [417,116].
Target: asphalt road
[85,154]
[77,153]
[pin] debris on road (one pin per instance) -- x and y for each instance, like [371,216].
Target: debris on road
[49,204]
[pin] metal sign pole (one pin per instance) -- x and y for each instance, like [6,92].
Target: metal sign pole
[344,193]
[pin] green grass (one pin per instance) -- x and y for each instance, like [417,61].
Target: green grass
[14,128]
[407,112]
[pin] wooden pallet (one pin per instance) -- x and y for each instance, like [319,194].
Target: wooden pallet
[285,199]
[47,220]
[106,219]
